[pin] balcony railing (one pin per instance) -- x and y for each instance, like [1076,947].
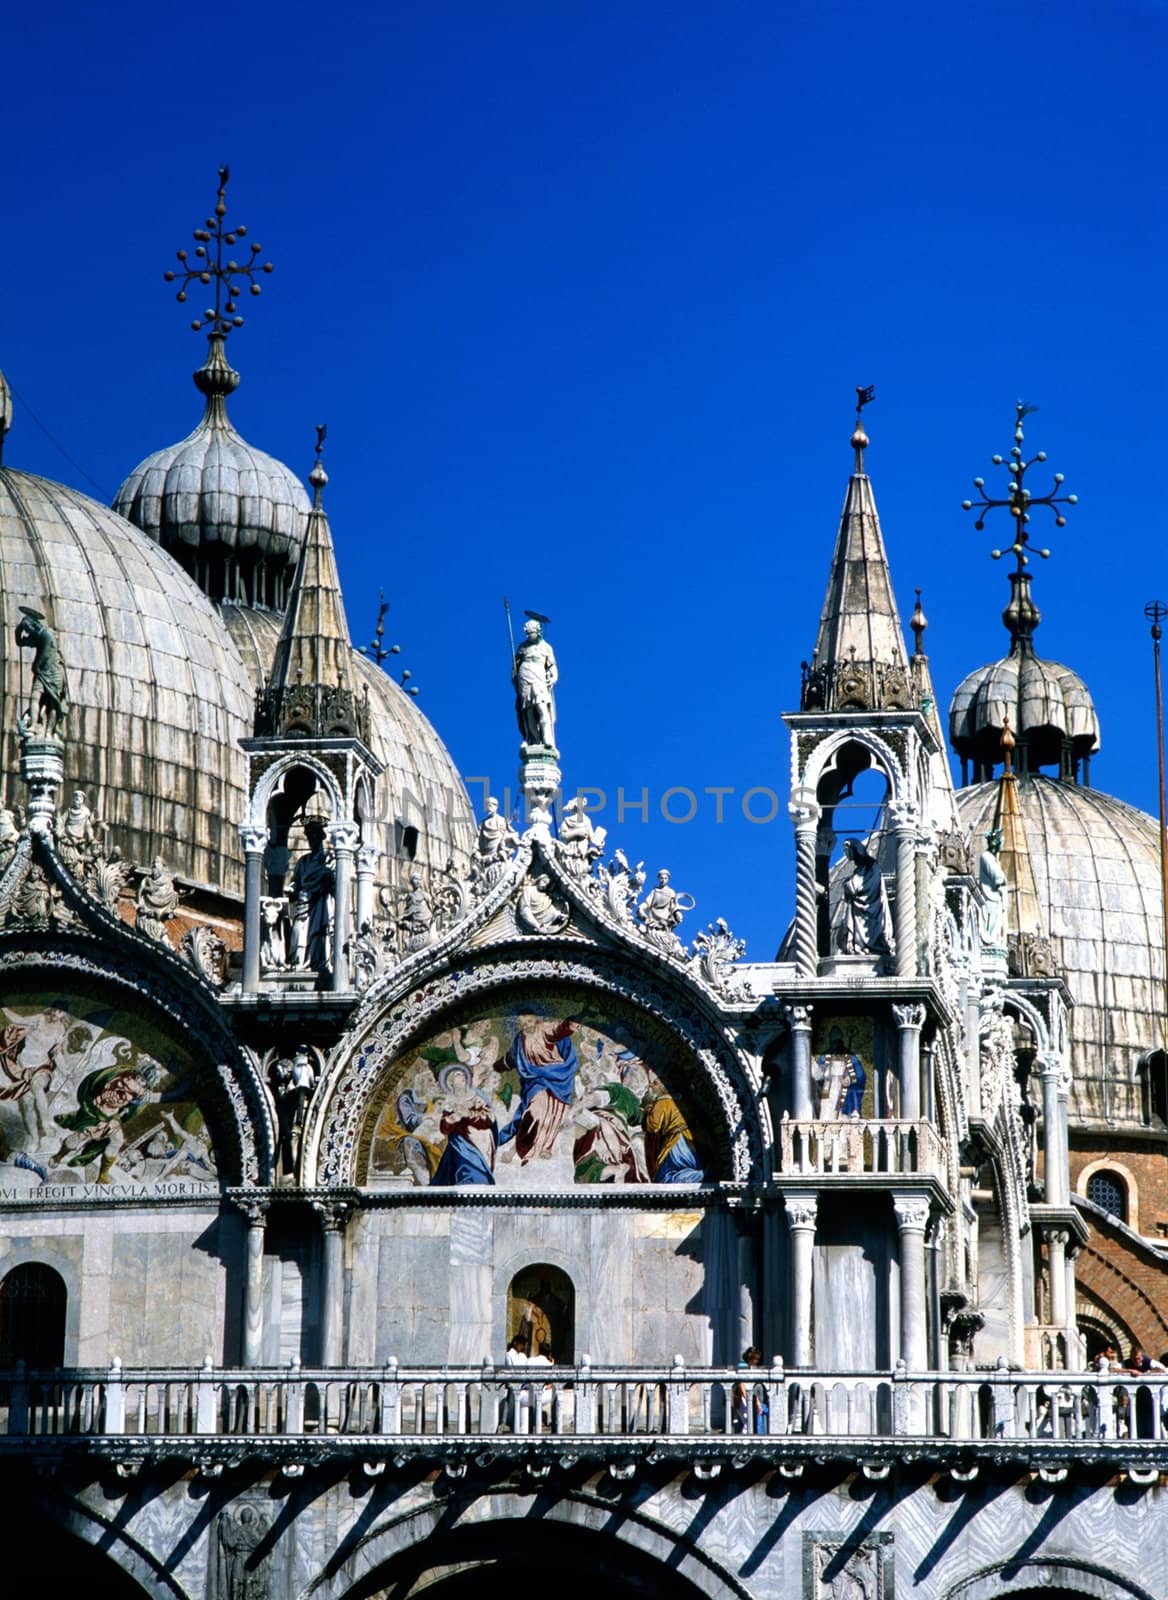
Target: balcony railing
[586,1409]
[850,1146]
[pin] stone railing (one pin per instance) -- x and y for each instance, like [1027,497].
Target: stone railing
[851,1146]
[586,1409]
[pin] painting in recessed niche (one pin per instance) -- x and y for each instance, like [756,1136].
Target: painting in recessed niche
[530,1099]
[92,1094]
[842,1074]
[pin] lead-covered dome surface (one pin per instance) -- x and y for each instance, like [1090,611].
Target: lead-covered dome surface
[1097,871]
[159,696]
[232,515]
[1045,702]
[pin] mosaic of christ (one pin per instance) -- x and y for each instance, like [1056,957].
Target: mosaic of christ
[530,1099]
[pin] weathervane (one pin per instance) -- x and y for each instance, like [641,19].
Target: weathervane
[865,394]
[1019,498]
[228,276]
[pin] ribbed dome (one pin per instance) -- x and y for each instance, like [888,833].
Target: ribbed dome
[421,785]
[1046,704]
[1097,870]
[159,694]
[232,515]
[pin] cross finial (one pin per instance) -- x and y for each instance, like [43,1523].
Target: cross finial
[211,266]
[1019,499]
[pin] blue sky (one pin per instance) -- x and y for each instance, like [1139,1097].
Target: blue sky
[583,294]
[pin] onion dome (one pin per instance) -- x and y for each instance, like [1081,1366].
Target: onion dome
[159,695]
[1096,867]
[231,515]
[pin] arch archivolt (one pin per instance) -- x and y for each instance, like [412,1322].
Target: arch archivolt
[721,1081]
[825,760]
[1052,1573]
[406,1535]
[273,779]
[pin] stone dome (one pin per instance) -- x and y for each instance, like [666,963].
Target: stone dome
[1097,871]
[159,694]
[231,515]
[427,816]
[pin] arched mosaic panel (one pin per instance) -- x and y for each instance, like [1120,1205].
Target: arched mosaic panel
[94,1094]
[537,1092]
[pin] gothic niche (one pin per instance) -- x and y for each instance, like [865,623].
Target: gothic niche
[853,860]
[532,1096]
[297,908]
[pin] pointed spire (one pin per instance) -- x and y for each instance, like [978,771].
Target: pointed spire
[1025,924]
[859,662]
[5,413]
[312,690]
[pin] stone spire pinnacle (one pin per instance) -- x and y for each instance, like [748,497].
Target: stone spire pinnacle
[859,662]
[312,691]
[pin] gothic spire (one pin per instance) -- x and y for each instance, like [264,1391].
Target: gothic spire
[312,691]
[859,662]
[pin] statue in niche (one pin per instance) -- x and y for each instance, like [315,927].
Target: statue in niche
[79,838]
[534,677]
[538,910]
[293,1082]
[497,842]
[416,923]
[863,922]
[840,1079]
[48,675]
[240,1573]
[660,913]
[312,888]
[158,900]
[992,881]
[580,842]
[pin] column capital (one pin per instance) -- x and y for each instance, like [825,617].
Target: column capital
[904,815]
[334,1214]
[912,1212]
[367,858]
[799,1017]
[802,1210]
[252,1208]
[344,836]
[253,837]
[911,1015]
[803,810]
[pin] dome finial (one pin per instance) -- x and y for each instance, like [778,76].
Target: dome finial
[918,623]
[318,477]
[212,265]
[865,394]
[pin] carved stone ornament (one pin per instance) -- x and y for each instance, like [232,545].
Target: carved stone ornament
[206,952]
[912,1212]
[579,843]
[497,844]
[539,909]
[802,1210]
[243,1559]
[158,900]
[715,952]
[618,886]
[954,852]
[835,1568]
[660,914]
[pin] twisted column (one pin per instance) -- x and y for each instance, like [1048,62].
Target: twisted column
[805,814]
[904,831]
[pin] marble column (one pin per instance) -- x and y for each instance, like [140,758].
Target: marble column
[904,830]
[972,1040]
[334,1215]
[799,1018]
[1055,1158]
[801,1214]
[1057,1240]
[804,813]
[910,1019]
[254,841]
[343,837]
[254,1213]
[366,867]
[912,1219]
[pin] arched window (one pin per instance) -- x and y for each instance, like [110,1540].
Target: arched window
[541,1305]
[1107,1189]
[32,1317]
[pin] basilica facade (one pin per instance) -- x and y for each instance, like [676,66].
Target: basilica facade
[395,1198]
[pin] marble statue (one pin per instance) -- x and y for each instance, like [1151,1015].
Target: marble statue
[79,837]
[497,842]
[863,923]
[534,677]
[273,932]
[581,843]
[9,836]
[48,674]
[992,881]
[538,910]
[311,897]
[415,925]
[158,900]
[661,911]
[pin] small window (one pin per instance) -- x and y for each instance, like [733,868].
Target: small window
[32,1317]
[406,840]
[1108,1190]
